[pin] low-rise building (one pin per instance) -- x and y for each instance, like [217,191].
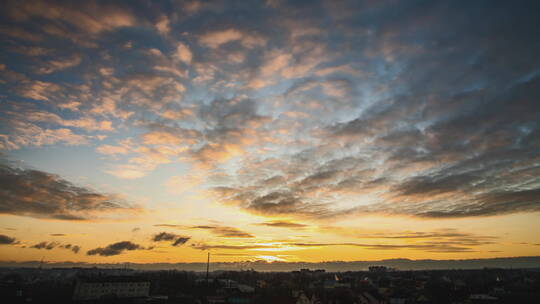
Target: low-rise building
[91,288]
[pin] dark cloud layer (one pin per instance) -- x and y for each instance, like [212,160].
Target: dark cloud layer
[221,231]
[181,241]
[447,144]
[74,248]
[442,241]
[51,245]
[163,236]
[227,232]
[428,246]
[177,240]
[44,195]
[202,246]
[115,249]
[283,224]
[470,162]
[45,245]
[6,240]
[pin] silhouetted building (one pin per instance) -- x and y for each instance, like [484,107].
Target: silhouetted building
[91,288]
[378,269]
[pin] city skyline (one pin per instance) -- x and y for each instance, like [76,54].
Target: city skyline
[291,131]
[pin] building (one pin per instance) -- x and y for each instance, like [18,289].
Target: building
[378,269]
[91,288]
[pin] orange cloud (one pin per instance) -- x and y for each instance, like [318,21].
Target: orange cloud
[161,138]
[184,53]
[38,90]
[163,25]
[89,17]
[59,64]
[217,38]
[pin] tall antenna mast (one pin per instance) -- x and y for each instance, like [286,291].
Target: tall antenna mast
[39,268]
[41,263]
[207,267]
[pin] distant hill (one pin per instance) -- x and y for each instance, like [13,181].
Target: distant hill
[332,266]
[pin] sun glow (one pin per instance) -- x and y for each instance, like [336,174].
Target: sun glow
[270,258]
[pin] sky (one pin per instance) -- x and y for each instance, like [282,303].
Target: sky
[158,131]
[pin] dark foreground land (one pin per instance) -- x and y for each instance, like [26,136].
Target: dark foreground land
[378,285]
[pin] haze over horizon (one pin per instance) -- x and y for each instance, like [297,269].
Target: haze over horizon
[291,131]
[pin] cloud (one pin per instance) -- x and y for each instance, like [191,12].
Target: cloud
[30,126]
[55,65]
[184,53]
[89,124]
[336,69]
[273,203]
[85,122]
[180,241]
[163,25]
[228,127]
[444,240]
[440,240]
[28,134]
[494,203]
[221,231]
[444,152]
[39,90]
[429,247]
[6,240]
[115,249]
[43,195]
[227,232]
[169,226]
[458,181]
[73,248]
[177,240]
[283,224]
[45,245]
[202,246]
[51,245]
[19,33]
[163,236]
[317,118]
[217,38]
[72,22]
[440,247]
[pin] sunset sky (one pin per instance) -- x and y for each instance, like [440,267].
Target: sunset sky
[156,131]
